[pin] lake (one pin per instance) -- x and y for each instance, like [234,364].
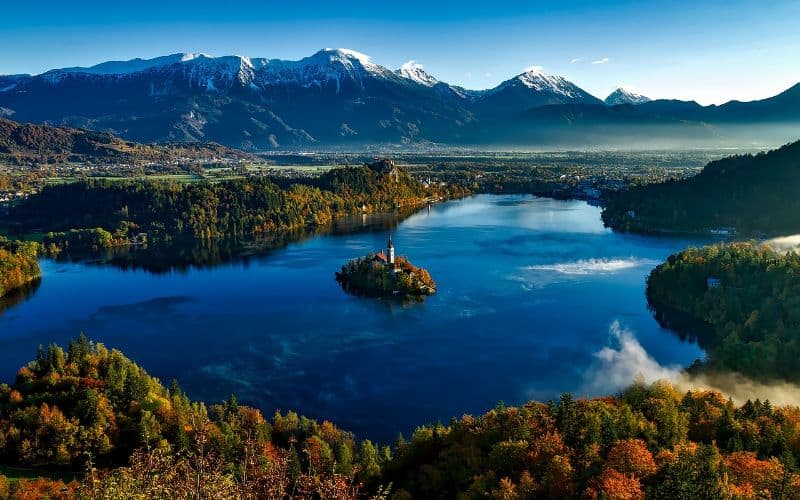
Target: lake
[535,297]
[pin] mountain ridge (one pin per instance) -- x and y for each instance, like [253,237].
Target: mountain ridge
[30,143]
[624,96]
[341,96]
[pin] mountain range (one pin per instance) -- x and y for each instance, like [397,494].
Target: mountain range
[341,98]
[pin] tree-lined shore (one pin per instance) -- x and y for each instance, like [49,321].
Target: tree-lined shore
[102,213]
[19,266]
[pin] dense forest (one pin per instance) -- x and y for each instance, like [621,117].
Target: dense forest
[369,276]
[752,194]
[18,265]
[89,408]
[745,302]
[99,213]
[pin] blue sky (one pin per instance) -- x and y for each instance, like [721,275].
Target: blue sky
[711,51]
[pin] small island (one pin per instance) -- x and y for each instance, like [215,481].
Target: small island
[382,275]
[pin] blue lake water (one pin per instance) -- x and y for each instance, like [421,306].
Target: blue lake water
[530,290]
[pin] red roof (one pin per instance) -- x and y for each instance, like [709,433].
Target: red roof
[381,257]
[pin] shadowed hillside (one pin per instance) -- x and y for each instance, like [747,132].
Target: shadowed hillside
[29,143]
[751,194]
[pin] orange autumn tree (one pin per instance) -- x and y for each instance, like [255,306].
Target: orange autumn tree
[36,489]
[631,456]
[764,478]
[614,485]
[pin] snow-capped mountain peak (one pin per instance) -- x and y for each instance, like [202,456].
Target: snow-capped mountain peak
[328,66]
[414,71]
[344,57]
[625,96]
[535,78]
[533,88]
[346,53]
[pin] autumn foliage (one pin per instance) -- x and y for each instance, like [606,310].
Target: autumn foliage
[92,410]
[18,265]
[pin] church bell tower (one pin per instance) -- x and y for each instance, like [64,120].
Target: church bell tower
[390,250]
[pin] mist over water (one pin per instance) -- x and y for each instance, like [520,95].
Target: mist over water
[593,266]
[617,365]
[527,290]
[624,360]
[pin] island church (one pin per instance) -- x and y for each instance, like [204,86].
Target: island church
[386,258]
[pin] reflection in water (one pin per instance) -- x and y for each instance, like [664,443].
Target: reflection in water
[19,295]
[685,326]
[186,253]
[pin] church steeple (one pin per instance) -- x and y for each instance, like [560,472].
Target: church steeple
[390,250]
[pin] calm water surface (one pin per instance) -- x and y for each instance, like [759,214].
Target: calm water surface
[529,289]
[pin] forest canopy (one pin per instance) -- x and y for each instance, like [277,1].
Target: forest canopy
[204,210]
[746,298]
[89,406]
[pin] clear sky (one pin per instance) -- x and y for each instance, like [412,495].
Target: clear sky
[707,50]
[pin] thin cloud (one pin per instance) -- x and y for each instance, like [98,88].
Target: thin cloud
[601,61]
[411,65]
[487,74]
[468,75]
[576,60]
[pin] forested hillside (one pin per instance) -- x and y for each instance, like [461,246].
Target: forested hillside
[237,208]
[30,143]
[745,299]
[753,194]
[89,408]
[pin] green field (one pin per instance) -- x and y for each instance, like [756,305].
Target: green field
[210,175]
[14,474]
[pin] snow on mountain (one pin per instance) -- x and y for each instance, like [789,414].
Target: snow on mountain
[534,78]
[531,89]
[623,96]
[328,66]
[332,96]
[220,73]
[414,71]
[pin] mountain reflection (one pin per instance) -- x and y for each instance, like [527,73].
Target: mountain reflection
[18,295]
